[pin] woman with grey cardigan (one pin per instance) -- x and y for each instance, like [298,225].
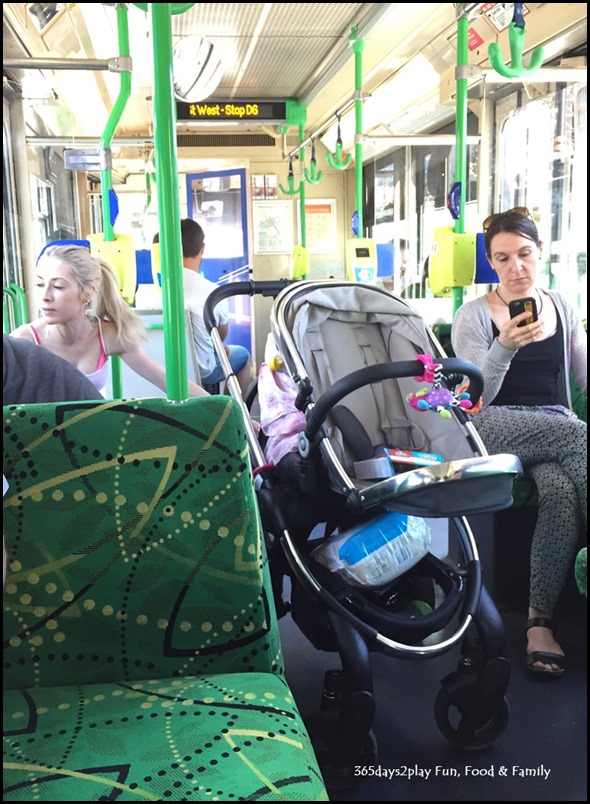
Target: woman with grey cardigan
[527,410]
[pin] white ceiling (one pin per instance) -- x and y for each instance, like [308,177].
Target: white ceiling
[269,51]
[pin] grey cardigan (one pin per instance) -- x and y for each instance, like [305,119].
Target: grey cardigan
[472,339]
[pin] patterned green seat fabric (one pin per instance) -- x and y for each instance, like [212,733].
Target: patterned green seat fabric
[141,649]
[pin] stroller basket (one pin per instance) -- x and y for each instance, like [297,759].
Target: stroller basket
[348,448]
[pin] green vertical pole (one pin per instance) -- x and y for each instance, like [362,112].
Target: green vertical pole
[303,232]
[10,309]
[106,177]
[358,46]
[168,203]
[461,135]
[6,309]
[21,303]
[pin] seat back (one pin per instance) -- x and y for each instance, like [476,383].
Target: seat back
[134,544]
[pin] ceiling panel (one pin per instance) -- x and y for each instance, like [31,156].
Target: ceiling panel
[270,49]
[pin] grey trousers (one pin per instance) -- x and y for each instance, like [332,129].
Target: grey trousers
[551,443]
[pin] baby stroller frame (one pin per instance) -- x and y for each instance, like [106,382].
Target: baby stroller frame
[470,709]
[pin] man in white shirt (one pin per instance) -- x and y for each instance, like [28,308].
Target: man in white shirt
[196,290]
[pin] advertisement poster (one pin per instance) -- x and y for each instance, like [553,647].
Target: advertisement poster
[320,226]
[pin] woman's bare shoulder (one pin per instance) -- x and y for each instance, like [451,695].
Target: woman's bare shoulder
[24,331]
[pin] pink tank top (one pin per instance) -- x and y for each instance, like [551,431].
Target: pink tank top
[100,374]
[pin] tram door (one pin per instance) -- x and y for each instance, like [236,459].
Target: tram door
[218,201]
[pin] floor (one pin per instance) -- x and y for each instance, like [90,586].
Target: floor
[541,756]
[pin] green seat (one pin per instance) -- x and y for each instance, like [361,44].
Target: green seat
[141,647]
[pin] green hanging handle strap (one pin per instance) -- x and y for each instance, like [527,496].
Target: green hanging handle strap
[290,181]
[336,161]
[516,32]
[312,174]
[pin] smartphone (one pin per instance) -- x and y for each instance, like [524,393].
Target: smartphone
[526,305]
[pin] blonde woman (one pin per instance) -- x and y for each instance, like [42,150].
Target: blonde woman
[84,319]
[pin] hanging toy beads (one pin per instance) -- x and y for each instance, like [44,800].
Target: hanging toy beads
[437,398]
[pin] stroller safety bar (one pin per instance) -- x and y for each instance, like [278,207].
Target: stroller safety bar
[384,371]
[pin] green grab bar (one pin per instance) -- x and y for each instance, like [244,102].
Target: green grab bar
[21,301]
[461,135]
[358,46]
[9,306]
[5,314]
[106,173]
[302,211]
[168,202]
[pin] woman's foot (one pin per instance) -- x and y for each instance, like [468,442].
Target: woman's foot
[544,654]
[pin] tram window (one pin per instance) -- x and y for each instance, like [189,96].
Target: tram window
[541,165]
[95,211]
[11,255]
[43,212]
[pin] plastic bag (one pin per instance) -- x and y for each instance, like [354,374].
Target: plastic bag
[377,551]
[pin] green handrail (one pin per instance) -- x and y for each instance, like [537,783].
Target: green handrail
[168,200]
[302,211]
[461,131]
[21,302]
[6,313]
[14,307]
[358,47]
[9,310]
[106,173]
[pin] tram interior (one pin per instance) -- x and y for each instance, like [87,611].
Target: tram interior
[304,53]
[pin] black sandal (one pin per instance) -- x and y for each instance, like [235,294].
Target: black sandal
[541,655]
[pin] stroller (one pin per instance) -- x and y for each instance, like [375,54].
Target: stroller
[363,449]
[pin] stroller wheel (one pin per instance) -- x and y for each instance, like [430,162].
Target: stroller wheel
[452,714]
[323,730]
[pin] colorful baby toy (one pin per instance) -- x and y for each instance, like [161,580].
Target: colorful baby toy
[437,398]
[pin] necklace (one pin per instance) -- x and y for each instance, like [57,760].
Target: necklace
[539,311]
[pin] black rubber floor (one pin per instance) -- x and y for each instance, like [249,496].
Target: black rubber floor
[541,756]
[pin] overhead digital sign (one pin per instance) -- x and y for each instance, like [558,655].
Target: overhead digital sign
[214,111]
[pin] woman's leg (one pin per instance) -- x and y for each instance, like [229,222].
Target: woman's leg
[552,445]
[540,436]
[552,552]
[239,358]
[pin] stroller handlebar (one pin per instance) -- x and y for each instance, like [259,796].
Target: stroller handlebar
[250,288]
[385,371]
